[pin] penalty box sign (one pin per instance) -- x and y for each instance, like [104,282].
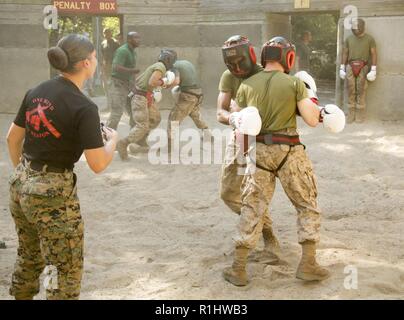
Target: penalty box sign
[86,6]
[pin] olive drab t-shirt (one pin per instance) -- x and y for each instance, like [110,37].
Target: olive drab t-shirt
[60,123]
[108,48]
[188,75]
[126,57]
[275,94]
[359,48]
[142,82]
[230,83]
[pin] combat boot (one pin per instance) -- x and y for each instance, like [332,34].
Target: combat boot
[122,148]
[237,274]
[351,115]
[23,297]
[308,268]
[135,148]
[360,115]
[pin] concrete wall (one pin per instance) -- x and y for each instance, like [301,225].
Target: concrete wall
[23,45]
[197,29]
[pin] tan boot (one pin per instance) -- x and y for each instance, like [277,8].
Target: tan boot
[122,148]
[308,268]
[23,297]
[135,148]
[237,274]
[360,115]
[351,115]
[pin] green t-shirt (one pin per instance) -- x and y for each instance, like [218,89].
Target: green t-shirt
[359,48]
[230,83]
[275,94]
[126,57]
[188,75]
[142,81]
[108,48]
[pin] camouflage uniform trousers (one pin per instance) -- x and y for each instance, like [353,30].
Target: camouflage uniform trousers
[231,178]
[146,118]
[50,230]
[357,87]
[119,102]
[188,105]
[298,181]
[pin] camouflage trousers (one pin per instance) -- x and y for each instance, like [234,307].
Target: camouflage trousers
[231,178]
[188,105]
[118,102]
[298,181]
[146,118]
[50,230]
[357,87]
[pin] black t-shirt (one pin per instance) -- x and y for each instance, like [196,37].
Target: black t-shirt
[60,123]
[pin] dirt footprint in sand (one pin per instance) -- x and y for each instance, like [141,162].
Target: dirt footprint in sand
[113,181]
[149,209]
[386,288]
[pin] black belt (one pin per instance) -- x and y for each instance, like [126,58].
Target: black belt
[38,166]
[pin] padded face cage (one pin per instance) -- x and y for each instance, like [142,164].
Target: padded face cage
[168,57]
[239,47]
[280,50]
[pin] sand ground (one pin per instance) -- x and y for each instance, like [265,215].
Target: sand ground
[161,231]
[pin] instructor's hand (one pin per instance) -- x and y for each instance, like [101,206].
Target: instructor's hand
[110,134]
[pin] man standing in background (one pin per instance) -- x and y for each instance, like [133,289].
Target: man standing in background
[303,52]
[108,48]
[123,77]
[359,52]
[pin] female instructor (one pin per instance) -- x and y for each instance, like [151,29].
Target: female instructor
[55,124]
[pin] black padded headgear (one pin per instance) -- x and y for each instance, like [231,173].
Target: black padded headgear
[281,50]
[168,57]
[239,47]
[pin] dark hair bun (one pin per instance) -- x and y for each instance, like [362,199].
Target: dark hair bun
[58,58]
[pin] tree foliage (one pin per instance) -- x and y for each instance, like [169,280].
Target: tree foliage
[323,28]
[111,23]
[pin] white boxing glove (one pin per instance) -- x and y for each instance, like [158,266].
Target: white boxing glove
[342,73]
[371,76]
[311,86]
[157,95]
[168,78]
[175,92]
[333,118]
[247,121]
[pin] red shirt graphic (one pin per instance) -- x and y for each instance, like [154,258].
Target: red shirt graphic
[38,124]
